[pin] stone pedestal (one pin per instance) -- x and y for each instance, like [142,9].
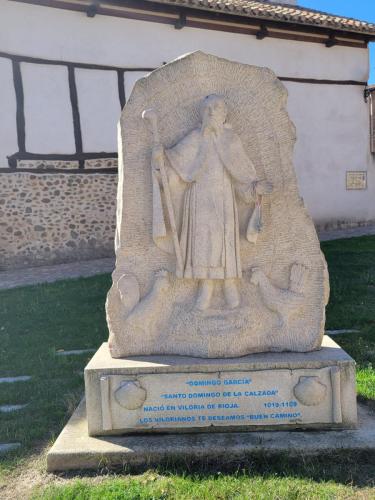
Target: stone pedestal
[272,391]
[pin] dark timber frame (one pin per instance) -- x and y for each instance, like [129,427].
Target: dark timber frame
[20,114]
[75,111]
[80,156]
[179,17]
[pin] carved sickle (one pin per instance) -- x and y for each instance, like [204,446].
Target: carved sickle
[151,118]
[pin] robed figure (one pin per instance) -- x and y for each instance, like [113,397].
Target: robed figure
[213,171]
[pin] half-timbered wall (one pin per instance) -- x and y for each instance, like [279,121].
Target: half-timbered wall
[64,78]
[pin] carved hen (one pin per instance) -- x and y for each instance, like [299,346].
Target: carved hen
[282,301]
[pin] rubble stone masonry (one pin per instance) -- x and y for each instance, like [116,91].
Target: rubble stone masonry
[52,218]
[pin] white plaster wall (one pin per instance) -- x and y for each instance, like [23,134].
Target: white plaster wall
[332,121]
[26,29]
[332,137]
[99,108]
[8,127]
[48,112]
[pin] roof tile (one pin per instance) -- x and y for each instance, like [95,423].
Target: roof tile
[266,10]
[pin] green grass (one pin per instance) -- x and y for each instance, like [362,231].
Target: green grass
[351,265]
[37,321]
[214,487]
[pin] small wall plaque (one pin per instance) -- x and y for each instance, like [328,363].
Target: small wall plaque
[356,180]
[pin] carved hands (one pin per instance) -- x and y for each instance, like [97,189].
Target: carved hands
[248,193]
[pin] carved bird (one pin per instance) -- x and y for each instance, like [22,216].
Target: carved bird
[282,301]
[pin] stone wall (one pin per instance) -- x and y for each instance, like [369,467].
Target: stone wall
[51,218]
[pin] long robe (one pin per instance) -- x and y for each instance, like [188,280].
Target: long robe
[214,167]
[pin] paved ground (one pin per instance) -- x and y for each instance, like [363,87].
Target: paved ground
[337,234]
[48,274]
[45,274]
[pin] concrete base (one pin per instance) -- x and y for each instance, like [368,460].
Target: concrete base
[270,391]
[75,449]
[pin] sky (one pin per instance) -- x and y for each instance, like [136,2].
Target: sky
[359,9]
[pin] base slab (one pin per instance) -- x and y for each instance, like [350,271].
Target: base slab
[271,391]
[74,449]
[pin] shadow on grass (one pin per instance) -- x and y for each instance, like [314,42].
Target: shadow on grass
[349,469]
[370,403]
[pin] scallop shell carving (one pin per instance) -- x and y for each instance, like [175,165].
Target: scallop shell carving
[310,391]
[130,395]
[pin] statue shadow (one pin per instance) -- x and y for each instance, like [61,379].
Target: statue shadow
[352,467]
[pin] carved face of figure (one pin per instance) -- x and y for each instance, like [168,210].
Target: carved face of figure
[214,111]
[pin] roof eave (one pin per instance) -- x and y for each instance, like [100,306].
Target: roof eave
[234,14]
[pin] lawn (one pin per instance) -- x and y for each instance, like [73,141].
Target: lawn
[36,322]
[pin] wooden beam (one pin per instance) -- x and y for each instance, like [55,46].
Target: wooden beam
[121,87]
[75,112]
[262,33]
[59,171]
[181,21]
[20,111]
[92,9]
[63,157]
[59,62]
[332,41]
[19,58]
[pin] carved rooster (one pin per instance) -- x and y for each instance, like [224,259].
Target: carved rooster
[282,301]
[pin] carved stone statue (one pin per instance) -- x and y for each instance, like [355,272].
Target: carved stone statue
[213,164]
[216,255]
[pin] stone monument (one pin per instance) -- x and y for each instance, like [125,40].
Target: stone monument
[217,309]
